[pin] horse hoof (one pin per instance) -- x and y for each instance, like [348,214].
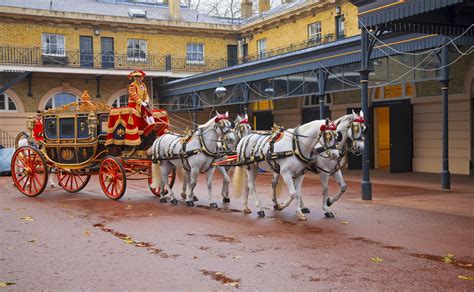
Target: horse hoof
[302,218]
[174,202]
[305,210]
[328,202]
[163,200]
[247,211]
[213,205]
[278,207]
[195,199]
[165,192]
[53,186]
[329,215]
[183,195]
[226,200]
[261,214]
[190,203]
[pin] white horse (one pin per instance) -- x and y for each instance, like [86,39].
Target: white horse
[194,153]
[349,127]
[286,152]
[241,129]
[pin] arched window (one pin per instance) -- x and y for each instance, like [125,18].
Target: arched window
[60,99]
[7,104]
[121,101]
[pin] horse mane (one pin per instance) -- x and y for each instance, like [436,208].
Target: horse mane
[207,124]
[348,117]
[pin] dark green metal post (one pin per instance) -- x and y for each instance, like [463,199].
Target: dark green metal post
[444,79]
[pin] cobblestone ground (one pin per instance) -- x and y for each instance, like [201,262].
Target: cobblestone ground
[412,236]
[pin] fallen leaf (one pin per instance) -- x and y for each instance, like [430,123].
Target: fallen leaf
[344,222]
[7,209]
[377,259]
[32,240]
[5,284]
[232,284]
[129,207]
[464,265]
[219,273]
[128,240]
[87,233]
[469,278]
[236,257]
[21,209]
[447,259]
[65,205]
[28,218]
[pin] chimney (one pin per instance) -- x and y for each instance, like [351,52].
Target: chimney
[174,9]
[263,5]
[246,8]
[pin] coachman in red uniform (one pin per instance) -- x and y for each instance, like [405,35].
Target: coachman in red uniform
[138,97]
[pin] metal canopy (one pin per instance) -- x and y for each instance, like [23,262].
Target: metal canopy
[447,17]
[334,54]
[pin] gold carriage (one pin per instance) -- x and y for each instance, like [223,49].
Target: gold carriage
[84,137]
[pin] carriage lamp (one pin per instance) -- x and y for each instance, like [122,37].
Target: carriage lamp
[92,122]
[220,91]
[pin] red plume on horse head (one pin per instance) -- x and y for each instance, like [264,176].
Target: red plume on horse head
[220,117]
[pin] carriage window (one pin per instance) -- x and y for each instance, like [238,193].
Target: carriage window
[82,127]
[66,128]
[50,128]
[104,123]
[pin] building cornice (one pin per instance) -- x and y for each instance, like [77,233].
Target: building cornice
[118,22]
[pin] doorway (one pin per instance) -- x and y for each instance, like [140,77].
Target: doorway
[231,55]
[263,120]
[382,137]
[393,135]
[86,51]
[107,47]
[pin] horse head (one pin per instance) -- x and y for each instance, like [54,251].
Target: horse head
[356,132]
[242,126]
[328,139]
[223,127]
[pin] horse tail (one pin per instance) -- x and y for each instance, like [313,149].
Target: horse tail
[180,173]
[238,181]
[156,178]
[279,187]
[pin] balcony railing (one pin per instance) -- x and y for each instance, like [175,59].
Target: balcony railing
[294,47]
[76,59]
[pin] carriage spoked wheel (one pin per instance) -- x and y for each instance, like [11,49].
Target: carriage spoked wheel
[112,178]
[171,179]
[73,181]
[29,171]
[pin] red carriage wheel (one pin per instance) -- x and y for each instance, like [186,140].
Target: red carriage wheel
[73,180]
[112,178]
[29,171]
[171,179]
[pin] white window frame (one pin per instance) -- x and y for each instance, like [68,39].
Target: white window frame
[140,43]
[53,103]
[192,52]
[261,48]
[7,99]
[315,31]
[46,46]
[117,102]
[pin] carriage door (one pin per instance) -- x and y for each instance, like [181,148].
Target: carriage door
[231,55]
[401,136]
[107,50]
[263,120]
[85,47]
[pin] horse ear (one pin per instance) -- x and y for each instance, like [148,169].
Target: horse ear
[226,114]
[361,114]
[327,121]
[217,113]
[246,117]
[353,112]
